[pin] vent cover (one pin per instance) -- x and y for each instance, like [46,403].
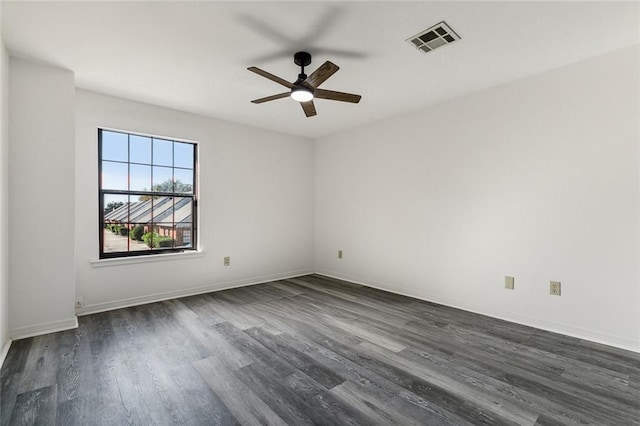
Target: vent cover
[432,38]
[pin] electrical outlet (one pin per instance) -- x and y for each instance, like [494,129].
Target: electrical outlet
[227,261]
[79,301]
[554,288]
[339,254]
[509,282]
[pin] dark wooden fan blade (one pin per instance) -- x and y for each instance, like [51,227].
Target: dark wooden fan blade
[272,98]
[271,77]
[337,96]
[320,75]
[309,108]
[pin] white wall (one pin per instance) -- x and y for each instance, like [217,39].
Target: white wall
[4,198]
[41,198]
[537,179]
[255,205]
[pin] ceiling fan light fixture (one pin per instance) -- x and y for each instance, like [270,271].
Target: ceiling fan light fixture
[301,94]
[305,89]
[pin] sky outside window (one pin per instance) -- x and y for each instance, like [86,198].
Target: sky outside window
[153,162]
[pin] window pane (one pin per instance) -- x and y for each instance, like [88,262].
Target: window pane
[115,231]
[162,209]
[114,175]
[115,208]
[140,210]
[140,178]
[183,235]
[136,234]
[149,237]
[115,146]
[183,218]
[115,238]
[163,179]
[182,209]
[140,149]
[162,152]
[163,235]
[183,181]
[183,155]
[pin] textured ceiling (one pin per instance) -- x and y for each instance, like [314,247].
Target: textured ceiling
[193,56]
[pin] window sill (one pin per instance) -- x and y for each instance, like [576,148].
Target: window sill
[101,263]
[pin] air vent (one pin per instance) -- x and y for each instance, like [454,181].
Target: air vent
[432,38]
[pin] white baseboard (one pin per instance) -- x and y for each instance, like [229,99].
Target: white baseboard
[5,351]
[620,342]
[159,297]
[45,328]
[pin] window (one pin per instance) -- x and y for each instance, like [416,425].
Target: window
[147,194]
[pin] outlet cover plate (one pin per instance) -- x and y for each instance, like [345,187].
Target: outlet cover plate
[509,282]
[227,261]
[339,254]
[555,288]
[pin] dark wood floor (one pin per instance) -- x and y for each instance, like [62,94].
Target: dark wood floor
[313,350]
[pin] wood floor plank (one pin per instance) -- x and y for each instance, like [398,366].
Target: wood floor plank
[36,406]
[323,406]
[77,393]
[8,394]
[16,358]
[196,307]
[198,328]
[240,400]
[271,389]
[369,334]
[304,363]
[590,380]
[41,364]
[441,412]
[452,391]
[371,383]
[256,351]
[361,308]
[313,350]
[486,380]
[352,296]
[162,381]
[232,312]
[201,405]
[379,411]
[293,312]
[292,290]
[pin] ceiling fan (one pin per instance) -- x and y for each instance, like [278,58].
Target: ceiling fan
[305,88]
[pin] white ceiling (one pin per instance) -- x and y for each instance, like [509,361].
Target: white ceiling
[193,56]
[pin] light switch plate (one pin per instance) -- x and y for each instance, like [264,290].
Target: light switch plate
[339,254]
[555,288]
